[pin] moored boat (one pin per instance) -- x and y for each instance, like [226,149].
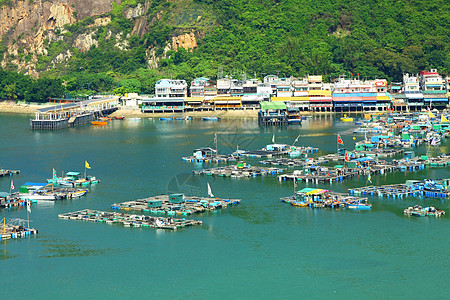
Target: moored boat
[346,119]
[99,123]
[211,118]
[359,206]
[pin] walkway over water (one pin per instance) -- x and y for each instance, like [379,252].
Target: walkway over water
[73,114]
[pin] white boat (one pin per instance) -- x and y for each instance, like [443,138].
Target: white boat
[37,197]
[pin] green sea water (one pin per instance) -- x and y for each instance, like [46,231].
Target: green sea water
[260,249]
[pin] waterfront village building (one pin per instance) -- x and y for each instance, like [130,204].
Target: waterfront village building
[447,84]
[360,95]
[170,95]
[415,93]
[433,88]
[198,90]
[412,92]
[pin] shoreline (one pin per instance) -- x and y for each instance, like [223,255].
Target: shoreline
[30,108]
[18,108]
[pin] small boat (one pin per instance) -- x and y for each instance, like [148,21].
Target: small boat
[99,123]
[107,119]
[119,118]
[78,194]
[183,118]
[301,204]
[359,206]
[211,118]
[346,119]
[295,121]
[166,119]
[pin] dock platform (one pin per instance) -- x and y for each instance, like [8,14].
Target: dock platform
[128,220]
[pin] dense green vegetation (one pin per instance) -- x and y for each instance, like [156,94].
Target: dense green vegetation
[16,86]
[286,37]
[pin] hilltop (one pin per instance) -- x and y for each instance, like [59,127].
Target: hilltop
[132,43]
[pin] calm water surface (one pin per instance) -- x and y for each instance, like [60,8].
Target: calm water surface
[261,249]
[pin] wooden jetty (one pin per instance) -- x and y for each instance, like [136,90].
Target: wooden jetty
[8,172]
[176,204]
[418,211]
[239,171]
[15,228]
[320,198]
[128,220]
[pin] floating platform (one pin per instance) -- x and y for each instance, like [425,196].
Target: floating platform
[294,162]
[8,172]
[217,159]
[128,220]
[425,188]
[166,204]
[264,153]
[235,172]
[322,175]
[320,198]
[11,200]
[418,211]
[15,229]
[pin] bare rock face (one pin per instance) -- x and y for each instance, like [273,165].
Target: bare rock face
[28,27]
[186,41]
[152,59]
[60,15]
[29,24]
[138,11]
[85,41]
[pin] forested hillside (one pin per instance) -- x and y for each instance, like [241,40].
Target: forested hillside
[133,43]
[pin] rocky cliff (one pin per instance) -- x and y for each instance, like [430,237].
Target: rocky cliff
[38,35]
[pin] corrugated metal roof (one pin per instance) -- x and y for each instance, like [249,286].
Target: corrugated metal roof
[272,105]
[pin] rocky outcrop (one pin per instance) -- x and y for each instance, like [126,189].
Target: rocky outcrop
[186,41]
[138,11]
[152,59]
[60,15]
[84,42]
[28,29]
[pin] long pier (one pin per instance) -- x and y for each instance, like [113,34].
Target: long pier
[72,114]
[128,220]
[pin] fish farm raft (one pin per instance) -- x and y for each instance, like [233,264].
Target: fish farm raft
[176,204]
[15,228]
[128,220]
